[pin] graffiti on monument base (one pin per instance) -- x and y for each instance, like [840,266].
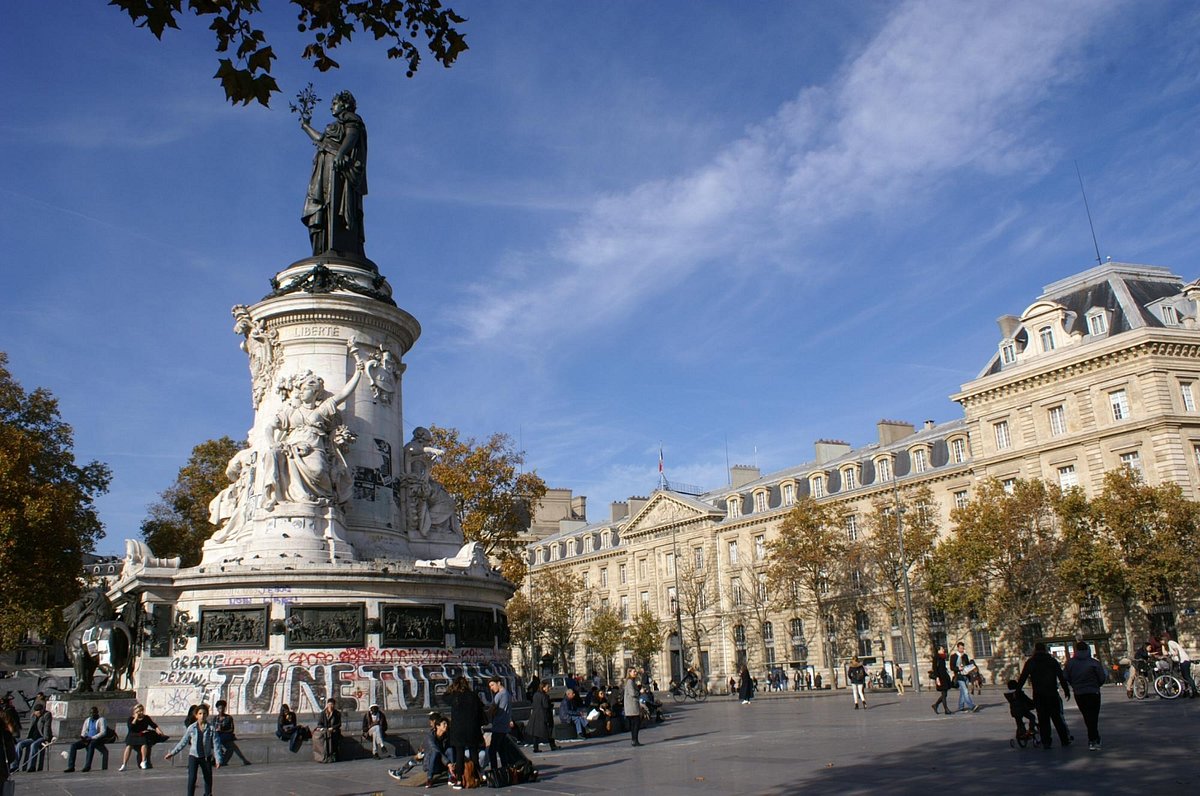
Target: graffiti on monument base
[393,678]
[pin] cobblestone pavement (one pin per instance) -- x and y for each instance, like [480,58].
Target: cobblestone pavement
[777,745]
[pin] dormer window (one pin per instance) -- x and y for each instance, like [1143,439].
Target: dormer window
[1046,336]
[850,478]
[920,460]
[760,501]
[1097,321]
[958,450]
[734,506]
[789,494]
[1008,352]
[817,485]
[555,552]
[605,540]
[540,556]
[883,468]
[589,543]
[571,547]
[1170,315]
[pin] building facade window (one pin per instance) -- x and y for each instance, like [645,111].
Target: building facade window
[604,578]
[1046,336]
[698,558]
[1058,420]
[852,527]
[768,633]
[1132,460]
[760,547]
[540,556]
[883,467]
[760,501]
[670,557]
[645,601]
[641,569]
[1008,352]
[736,592]
[587,580]
[1170,316]
[570,547]
[734,506]
[733,554]
[622,576]
[958,450]
[817,485]
[789,494]
[1189,397]
[1067,477]
[920,460]
[1119,402]
[961,499]
[761,587]
[1003,439]
[589,544]
[1097,323]
[849,478]
[981,642]
[1008,485]
[625,607]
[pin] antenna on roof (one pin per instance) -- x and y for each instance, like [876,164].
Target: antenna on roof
[1079,174]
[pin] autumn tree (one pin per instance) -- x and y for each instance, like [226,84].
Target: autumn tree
[644,637]
[328,24]
[560,608]
[1134,543]
[522,626]
[695,589]
[604,634]
[48,516]
[878,553]
[809,554]
[494,498]
[999,565]
[178,523]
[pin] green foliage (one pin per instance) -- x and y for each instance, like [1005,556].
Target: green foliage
[604,634]
[331,23]
[522,618]
[879,553]
[48,516]
[559,605]
[494,499]
[178,523]
[1002,559]
[644,637]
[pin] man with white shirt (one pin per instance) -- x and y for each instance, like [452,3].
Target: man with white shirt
[91,737]
[1175,651]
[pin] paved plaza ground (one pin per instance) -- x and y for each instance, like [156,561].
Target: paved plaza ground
[778,745]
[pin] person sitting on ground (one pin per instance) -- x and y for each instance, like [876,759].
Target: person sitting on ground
[652,707]
[374,727]
[40,734]
[569,713]
[141,733]
[287,729]
[1021,708]
[92,738]
[223,723]
[435,754]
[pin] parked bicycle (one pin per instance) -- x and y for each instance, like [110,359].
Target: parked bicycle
[1162,677]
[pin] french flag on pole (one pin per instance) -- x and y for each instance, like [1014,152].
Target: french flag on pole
[660,461]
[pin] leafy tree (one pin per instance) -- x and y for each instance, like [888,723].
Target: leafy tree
[178,523]
[604,634]
[48,516]
[493,496]
[522,625]
[1000,563]
[1135,542]
[809,554]
[560,607]
[330,23]
[644,637]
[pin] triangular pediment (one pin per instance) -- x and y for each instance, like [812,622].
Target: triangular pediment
[665,509]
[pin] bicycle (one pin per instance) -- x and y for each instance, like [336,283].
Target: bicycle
[681,692]
[1169,682]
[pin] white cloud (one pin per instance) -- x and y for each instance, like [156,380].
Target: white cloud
[943,87]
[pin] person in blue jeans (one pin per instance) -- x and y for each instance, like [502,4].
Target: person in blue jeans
[203,743]
[962,666]
[92,738]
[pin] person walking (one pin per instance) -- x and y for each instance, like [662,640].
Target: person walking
[856,674]
[203,743]
[541,718]
[899,680]
[963,667]
[632,707]
[92,738]
[941,680]
[1045,674]
[1086,675]
[745,685]
[501,712]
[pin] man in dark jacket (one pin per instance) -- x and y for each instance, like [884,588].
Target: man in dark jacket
[1045,674]
[40,735]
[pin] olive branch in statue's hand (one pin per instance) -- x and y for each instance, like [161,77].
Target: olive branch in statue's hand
[306,101]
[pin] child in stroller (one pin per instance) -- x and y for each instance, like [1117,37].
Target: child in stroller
[1021,708]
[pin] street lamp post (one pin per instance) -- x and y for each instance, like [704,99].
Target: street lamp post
[532,654]
[678,611]
[912,633]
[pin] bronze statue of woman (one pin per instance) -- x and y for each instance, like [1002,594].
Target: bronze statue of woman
[333,209]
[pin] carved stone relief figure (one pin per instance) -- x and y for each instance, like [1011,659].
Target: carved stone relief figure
[431,509]
[232,507]
[308,439]
[262,347]
[382,369]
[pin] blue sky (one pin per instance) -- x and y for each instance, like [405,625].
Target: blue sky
[711,226]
